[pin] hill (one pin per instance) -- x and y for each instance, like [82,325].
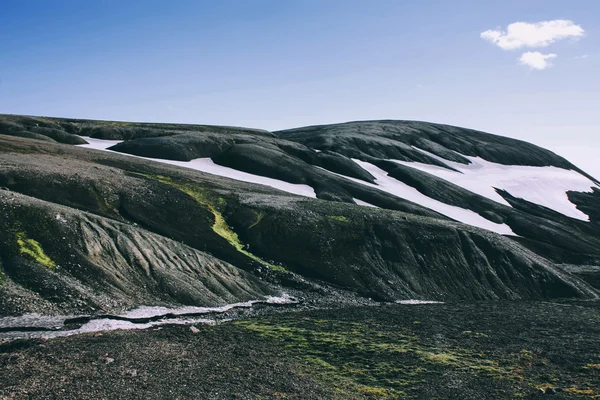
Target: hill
[113,224]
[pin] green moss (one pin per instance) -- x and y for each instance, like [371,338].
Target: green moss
[581,392]
[11,149]
[339,218]
[341,355]
[475,334]
[34,250]
[214,204]
[102,203]
[259,218]
[378,362]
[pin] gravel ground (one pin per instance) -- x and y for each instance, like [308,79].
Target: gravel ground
[444,351]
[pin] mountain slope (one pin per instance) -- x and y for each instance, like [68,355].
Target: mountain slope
[85,230]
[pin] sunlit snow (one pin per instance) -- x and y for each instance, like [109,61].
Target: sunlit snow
[546,186]
[401,189]
[415,302]
[364,203]
[207,165]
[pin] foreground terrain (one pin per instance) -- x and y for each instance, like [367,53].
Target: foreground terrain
[480,350]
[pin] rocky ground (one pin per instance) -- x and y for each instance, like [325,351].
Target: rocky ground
[481,350]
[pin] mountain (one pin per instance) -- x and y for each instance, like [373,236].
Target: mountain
[382,210]
[364,260]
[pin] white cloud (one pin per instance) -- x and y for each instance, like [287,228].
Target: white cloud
[539,34]
[536,60]
[581,57]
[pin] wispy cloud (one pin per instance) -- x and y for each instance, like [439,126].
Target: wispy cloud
[536,60]
[540,34]
[581,57]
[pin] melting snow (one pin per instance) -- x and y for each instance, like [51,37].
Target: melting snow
[546,186]
[207,165]
[364,203]
[283,299]
[411,302]
[98,144]
[401,189]
[149,312]
[52,323]
[99,325]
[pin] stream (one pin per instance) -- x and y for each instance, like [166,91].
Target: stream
[31,326]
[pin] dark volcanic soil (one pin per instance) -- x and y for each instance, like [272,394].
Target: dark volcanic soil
[491,350]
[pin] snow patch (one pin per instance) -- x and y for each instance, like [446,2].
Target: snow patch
[364,203]
[50,326]
[98,144]
[546,186]
[100,325]
[150,312]
[207,165]
[401,189]
[283,299]
[412,301]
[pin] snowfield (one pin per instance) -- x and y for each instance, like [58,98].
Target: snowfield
[401,189]
[546,186]
[207,165]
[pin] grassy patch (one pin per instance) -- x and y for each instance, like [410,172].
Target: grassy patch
[34,250]
[11,149]
[215,204]
[581,392]
[379,358]
[259,218]
[102,203]
[369,359]
[339,218]
[475,334]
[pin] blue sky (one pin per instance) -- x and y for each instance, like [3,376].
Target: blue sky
[278,64]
